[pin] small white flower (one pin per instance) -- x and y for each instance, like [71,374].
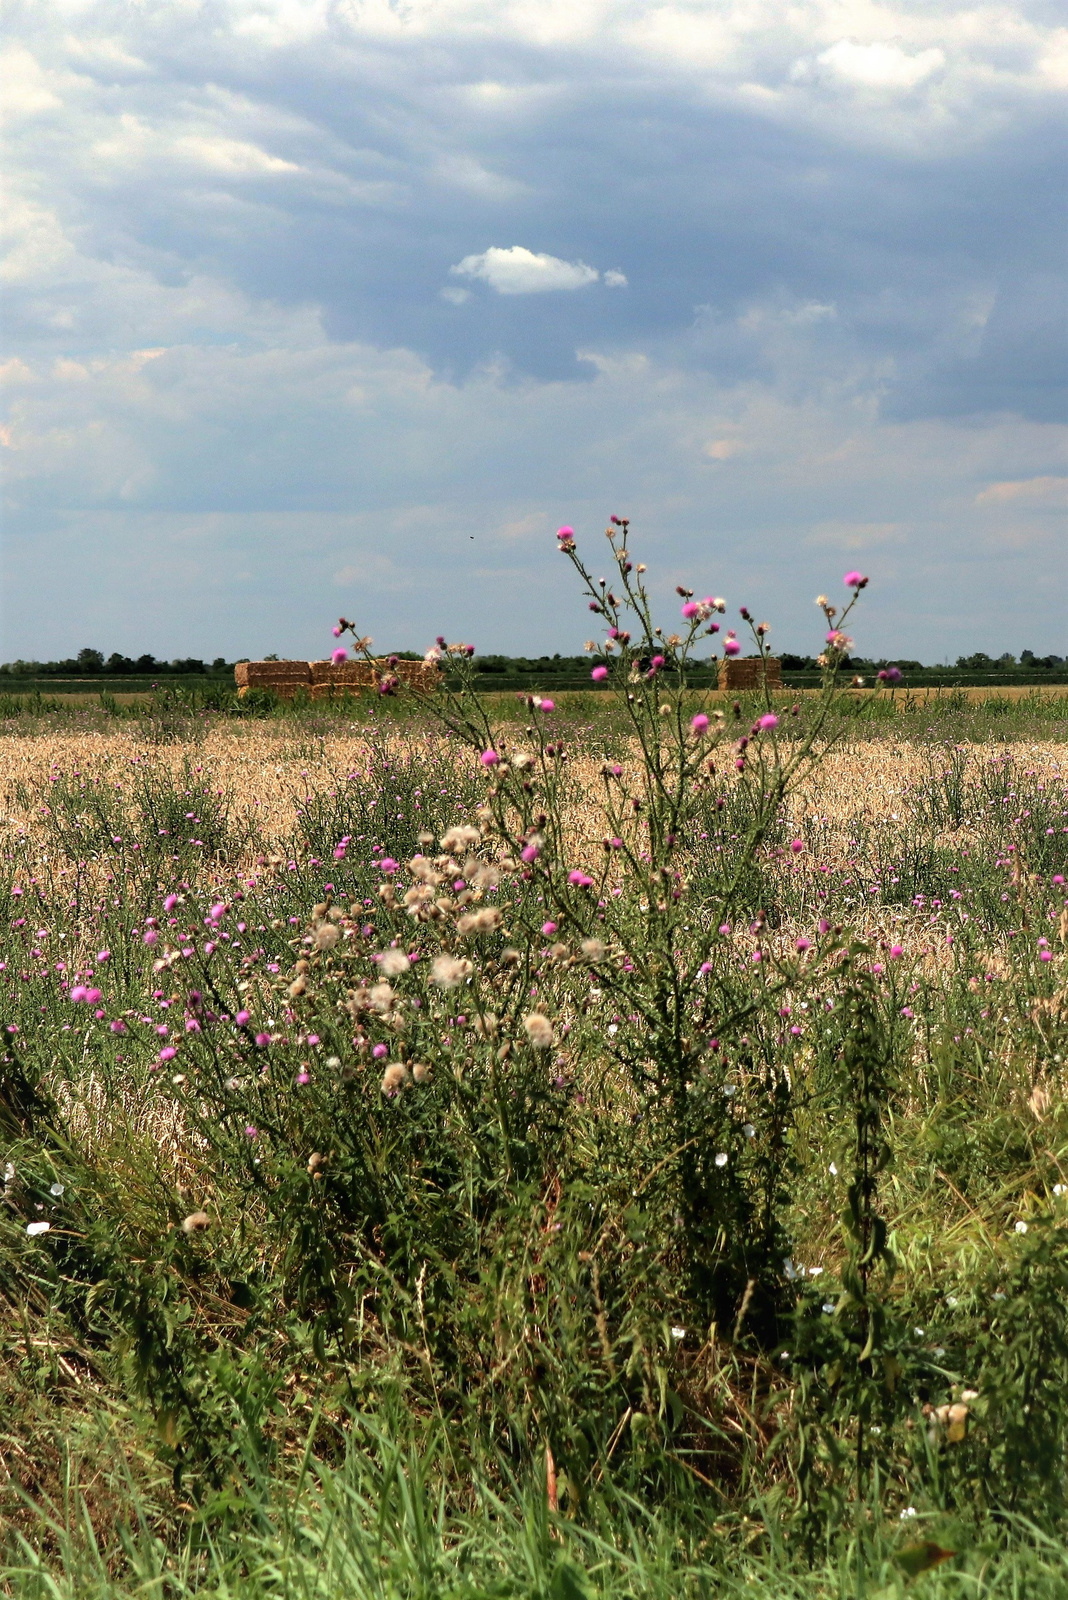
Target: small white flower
[34,1228]
[57,1189]
[833,1170]
[721,1159]
[909,1511]
[828,1307]
[749,1130]
[918,1332]
[814,1272]
[1060,1188]
[1021,1227]
[952,1302]
[678,1333]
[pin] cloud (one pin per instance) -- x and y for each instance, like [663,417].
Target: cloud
[880,65]
[1040,491]
[237,345]
[520,271]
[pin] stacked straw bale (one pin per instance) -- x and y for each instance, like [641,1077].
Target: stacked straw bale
[749,673]
[324,680]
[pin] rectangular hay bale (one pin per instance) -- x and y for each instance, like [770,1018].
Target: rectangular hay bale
[749,673]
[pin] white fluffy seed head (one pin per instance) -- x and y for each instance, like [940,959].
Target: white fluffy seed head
[539,1030]
[391,963]
[394,1077]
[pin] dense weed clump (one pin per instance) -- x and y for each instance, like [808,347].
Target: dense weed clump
[613,1151]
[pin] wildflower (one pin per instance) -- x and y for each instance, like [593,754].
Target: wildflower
[539,1030]
[1021,1227]
[339,655]
[797,845]
[593,950]
[731,647]
[543,705]
[530,852]
[391,963]
[420,1072]
[721,1159]
[599,674]
[380,1052]
[678,1333]
[388,865]
[854,580]
[889,675]
[566,536]
[35,1228]
[242,1018]
[581,880]
[168,1053]
[699,723]
[448,972]
[57,1189]
[767,722]
[489,758]
[251,1131]
[394,1077]
[326,936]
[196,1222]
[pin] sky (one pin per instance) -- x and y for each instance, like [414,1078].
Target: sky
[341,307]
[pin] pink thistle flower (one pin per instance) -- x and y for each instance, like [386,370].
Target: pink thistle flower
[339,655]
[854,580]
[731,647]
[767,722]
[565,534]
[151,937]
[581,880]
[797,845]
[699,723]
[548,929]
[489,758]
[170,902]
[544,705]
[896,952]
[691,609]
[168,1053]
[263,1040]
[251,1131]
[91,996]
[530,852]
[379,1051]
[803,945]
[336,632]
[889,675]
[388,865]
[242,1018]
[599,674]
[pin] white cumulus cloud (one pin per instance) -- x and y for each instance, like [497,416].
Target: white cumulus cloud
[881,66]
[520,271]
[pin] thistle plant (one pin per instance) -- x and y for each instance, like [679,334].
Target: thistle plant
[610,892]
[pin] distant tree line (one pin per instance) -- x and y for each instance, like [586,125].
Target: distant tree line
[92,664]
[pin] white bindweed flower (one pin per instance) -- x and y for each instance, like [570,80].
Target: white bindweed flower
[57,1189]
[907,1514]
[1021,1227]
[34,1228]
[678,1333]
[721,1159]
